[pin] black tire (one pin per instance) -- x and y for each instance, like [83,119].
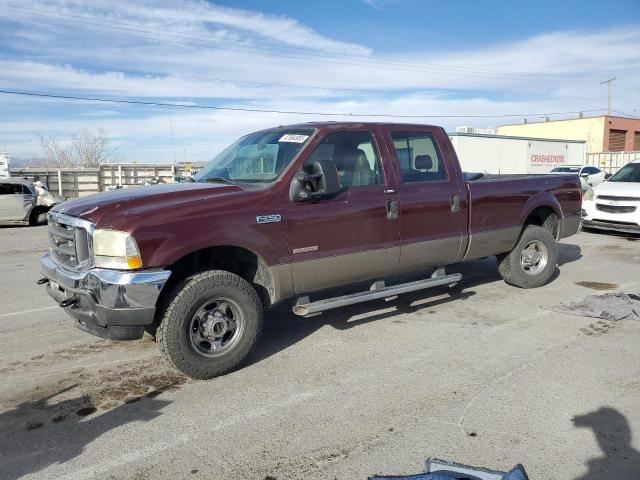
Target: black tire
[515,273]
[174,334]
[37,217]
[33,217]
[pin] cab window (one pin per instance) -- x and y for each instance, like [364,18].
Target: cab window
[418,156]
[354,155]
[11,189]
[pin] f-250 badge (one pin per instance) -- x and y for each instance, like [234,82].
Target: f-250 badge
[275,218]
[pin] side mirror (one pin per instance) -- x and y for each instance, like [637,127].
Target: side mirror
[607,176]
[584,175]
[316,182]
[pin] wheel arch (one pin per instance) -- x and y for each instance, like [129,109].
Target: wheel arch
[241,261]
[543,210]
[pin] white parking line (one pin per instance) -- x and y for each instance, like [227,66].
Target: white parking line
[23,312]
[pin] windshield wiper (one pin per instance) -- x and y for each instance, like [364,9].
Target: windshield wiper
[220,180]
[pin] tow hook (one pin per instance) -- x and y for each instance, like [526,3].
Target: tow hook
[67,302]
[42,281]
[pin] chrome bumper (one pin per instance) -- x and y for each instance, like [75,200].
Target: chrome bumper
[108,303]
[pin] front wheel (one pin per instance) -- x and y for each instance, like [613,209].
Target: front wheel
[532,262]
[211,322]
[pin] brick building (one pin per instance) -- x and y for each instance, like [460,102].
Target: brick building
[605,133]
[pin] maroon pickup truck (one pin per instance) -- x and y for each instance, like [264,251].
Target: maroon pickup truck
[286,213]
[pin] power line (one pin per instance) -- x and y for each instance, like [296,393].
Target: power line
[371,63]
[288,112]
[626,114]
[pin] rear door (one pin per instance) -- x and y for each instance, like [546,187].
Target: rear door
[433,206]
[355,235]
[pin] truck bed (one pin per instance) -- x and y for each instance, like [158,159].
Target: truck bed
[499,204]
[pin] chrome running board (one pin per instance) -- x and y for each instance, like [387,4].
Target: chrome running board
[305,308]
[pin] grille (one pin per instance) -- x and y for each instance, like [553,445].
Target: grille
[69,243]
[614,208]
[619,199]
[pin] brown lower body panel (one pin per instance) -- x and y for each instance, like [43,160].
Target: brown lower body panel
[420,255]
[327,272]
[485,244]
[569,225]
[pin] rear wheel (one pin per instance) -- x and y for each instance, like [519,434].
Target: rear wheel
[532,262]
[211,323]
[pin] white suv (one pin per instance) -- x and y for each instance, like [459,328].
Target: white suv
[615,203]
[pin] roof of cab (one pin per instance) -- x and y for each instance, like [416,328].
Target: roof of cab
[341,124]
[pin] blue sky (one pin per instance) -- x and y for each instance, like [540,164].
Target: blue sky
[399,57]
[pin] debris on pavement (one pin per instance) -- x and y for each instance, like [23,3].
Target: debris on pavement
[608,306]
[445,470]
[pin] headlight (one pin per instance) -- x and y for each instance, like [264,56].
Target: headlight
[113,249]
[588,195]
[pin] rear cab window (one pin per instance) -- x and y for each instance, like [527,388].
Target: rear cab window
[418,157]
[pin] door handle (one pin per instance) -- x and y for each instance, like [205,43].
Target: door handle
[455,203]
[392,209]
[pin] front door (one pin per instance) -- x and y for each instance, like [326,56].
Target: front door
[353,236]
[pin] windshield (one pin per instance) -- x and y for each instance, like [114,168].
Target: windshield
[629,173]
[259,157]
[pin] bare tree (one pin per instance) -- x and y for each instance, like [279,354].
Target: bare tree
[86,149]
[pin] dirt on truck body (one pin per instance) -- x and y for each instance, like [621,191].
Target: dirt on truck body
[286,213]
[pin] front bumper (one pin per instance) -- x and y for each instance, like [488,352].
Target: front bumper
[617,227]
[109,303]
[593,217]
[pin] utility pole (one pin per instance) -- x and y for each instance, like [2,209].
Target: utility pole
[608,82]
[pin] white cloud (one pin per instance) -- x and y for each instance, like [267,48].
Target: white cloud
[130,49]
[190,18]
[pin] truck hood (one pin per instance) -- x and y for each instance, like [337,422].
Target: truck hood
[115,209]
[622,189]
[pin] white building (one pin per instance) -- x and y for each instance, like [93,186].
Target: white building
[496,154]
[4,165]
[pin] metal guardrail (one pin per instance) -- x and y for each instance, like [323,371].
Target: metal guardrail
[79,182]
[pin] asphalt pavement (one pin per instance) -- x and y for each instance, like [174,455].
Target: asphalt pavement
[481,375]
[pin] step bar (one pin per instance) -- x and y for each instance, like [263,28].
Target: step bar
[305,308]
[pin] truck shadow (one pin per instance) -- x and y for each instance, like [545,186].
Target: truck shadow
[41,432]
[568,253]
[282,328]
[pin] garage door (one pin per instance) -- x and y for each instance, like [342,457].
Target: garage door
[616,140]
[636,142]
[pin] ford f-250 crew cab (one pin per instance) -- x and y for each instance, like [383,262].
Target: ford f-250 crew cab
[286,213]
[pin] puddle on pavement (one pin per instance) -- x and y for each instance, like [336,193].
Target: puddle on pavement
[598,285]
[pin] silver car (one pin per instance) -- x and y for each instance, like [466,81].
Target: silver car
[23,202]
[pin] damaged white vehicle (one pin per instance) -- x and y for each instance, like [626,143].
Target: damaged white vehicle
[615,204]
[23,202]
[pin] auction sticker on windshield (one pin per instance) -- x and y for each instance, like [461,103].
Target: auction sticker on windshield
[293,138]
